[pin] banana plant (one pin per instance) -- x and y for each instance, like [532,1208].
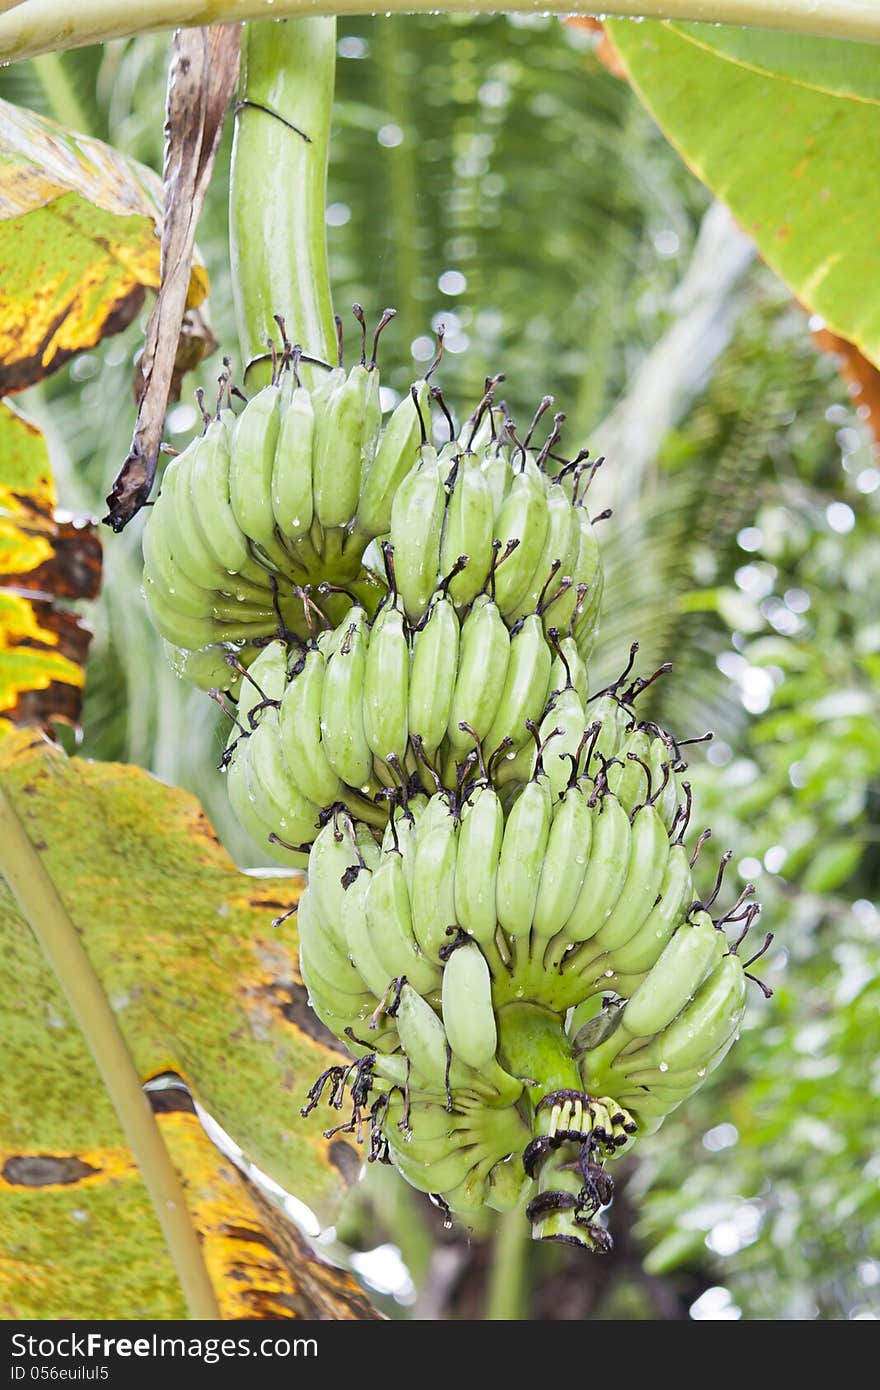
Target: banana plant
[563,1012]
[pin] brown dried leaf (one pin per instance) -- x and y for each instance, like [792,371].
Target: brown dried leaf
[203,73]
[43,647]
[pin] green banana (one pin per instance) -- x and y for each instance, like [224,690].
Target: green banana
[484,654]
[400,831]
[301,740]
[386,684]
[606,870]
[277,799]
[468,1015]
[661,762]
[433,674]
[555,564]
[588,585]
[396,456]
[627,777]
[342,719]
[524,518]
[476,865]
[339,447]
[676,894]
[206,667]
[192,633]
[176,514]
[432,892]
[469,1195]
[251,461]
[416,524]
[565,713]
[210,497]
[266,680]
[389,921]
[244,801]
[358,939]
[507,1183]
[523,847]
[702,1028]
[495,465]
[568,668]
[565,863]
[436,1176]
[616,723]
[162,572]
[681,968]
[335,859]
[291,489]
[468,530]
[649,848]
[319,953]
[423,1039]
[526,687]
[415,1148]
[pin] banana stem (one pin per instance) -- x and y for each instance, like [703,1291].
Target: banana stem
[533,1043]
[507,1297]
[57,935]
[38,26]
[278,191]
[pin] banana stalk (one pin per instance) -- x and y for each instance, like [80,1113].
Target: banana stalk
[278,186]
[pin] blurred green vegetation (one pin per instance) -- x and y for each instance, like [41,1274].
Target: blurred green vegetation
[491,175]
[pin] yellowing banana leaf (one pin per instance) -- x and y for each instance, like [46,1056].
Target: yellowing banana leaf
[784,130]
[43,646]
[81,1238]
[202,984]
[79,244]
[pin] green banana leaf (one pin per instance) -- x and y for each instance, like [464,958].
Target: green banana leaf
[782,128]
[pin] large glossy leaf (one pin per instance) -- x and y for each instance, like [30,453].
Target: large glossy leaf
[43,645]
[78,244]
[202,983]
[782,130]
[834,66]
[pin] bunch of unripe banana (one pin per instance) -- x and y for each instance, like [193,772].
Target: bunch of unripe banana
[500,922]
[266,504]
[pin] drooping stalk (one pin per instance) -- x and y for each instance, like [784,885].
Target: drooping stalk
[507,1296]
[57,935]
[278,189]
[38,26]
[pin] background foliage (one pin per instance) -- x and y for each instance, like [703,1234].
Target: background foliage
[491,174]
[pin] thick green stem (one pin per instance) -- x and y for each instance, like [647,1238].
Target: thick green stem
[278,189]
[57,935]
[533,1044]
[507,1295]
[38,26]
